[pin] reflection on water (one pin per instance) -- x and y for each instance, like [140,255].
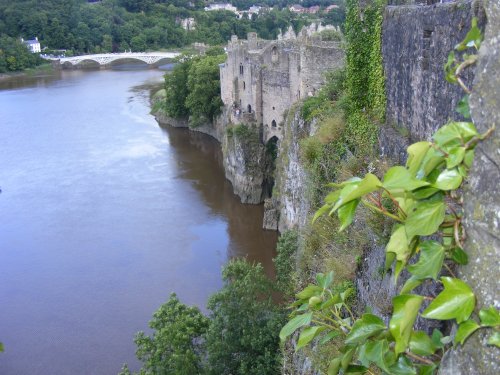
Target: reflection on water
[102,215]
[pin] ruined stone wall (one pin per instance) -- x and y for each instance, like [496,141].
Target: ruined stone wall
[416,41]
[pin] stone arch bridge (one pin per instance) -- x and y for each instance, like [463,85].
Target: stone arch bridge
[104,59]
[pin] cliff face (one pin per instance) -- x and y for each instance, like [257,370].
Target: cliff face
[291,177]
[482,207]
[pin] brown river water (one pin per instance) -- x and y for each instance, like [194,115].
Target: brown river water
[102,215]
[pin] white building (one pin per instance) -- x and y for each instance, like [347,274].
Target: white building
[223,6]
[32,45]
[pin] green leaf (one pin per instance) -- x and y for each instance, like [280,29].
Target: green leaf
[358,189]
[1,347]
[431,161]
[430,262]
[307,335]
[459,256]
[427,369]
[469,158]
[346,213]
[398,243]
[416,153]
[346,358]
[323,210]
[405,312]
[328,337]
[472,39]
[455,134]
[402,367]
[424,193]
[449,179]
[465,329]
[356,370]
[494,339]
[456,301]
[309,291]
[334,367]
[425,219]
[410,284]
[436,338]
[294,324]
[463,107]
[324,281]
[421,344]
[489,317]
[455,156]
[399,178]
[368,326]
[374,351]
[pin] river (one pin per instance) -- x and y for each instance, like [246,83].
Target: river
[102,215]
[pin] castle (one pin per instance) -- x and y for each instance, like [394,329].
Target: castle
[261,79]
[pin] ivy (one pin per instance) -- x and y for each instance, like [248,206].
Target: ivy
[427,236]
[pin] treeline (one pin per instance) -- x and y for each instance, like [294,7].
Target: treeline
[14,55]
[239,336]
[119,25]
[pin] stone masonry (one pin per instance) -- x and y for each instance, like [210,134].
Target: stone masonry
[261,79]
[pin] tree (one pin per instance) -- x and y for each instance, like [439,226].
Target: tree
[176,89]
[203,100]
[175,346]
[243,334]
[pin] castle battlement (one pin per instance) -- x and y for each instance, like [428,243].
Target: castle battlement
[261,79]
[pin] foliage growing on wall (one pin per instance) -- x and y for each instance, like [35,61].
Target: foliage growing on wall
[365,87]
[427,240]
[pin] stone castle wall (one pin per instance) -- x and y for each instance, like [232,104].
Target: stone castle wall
[261,79]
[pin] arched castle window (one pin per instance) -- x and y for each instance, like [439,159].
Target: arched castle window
[241,69]
[244,85]
[274,54]
[273,123]
[249,108]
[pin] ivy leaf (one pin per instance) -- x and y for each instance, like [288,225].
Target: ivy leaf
[463,107]
[459,256]
[328,337]
[489,317]
[334,367]
[398,243]
[368,326]
[321,211]
[425,219]
[374,351]
[424,193]
[416,153]
[307,335]
[494,339]
[455,156]
[432,160]
[469,158]
[399,178]
[465,329]
[309,291]
[427,369]
[436,338]
[456,301]
[402,367]
[455,134]
[347,357]
[421,344]
[356,370]
[405,312]
[324,281]
[294,324]
[346,213]
[410,284]
[430,262]
[357,189]
[472,39]
[449,179]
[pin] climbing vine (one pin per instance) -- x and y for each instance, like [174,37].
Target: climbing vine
[422,198]
[365,83]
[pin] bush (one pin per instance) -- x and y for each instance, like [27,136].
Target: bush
[285,262]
